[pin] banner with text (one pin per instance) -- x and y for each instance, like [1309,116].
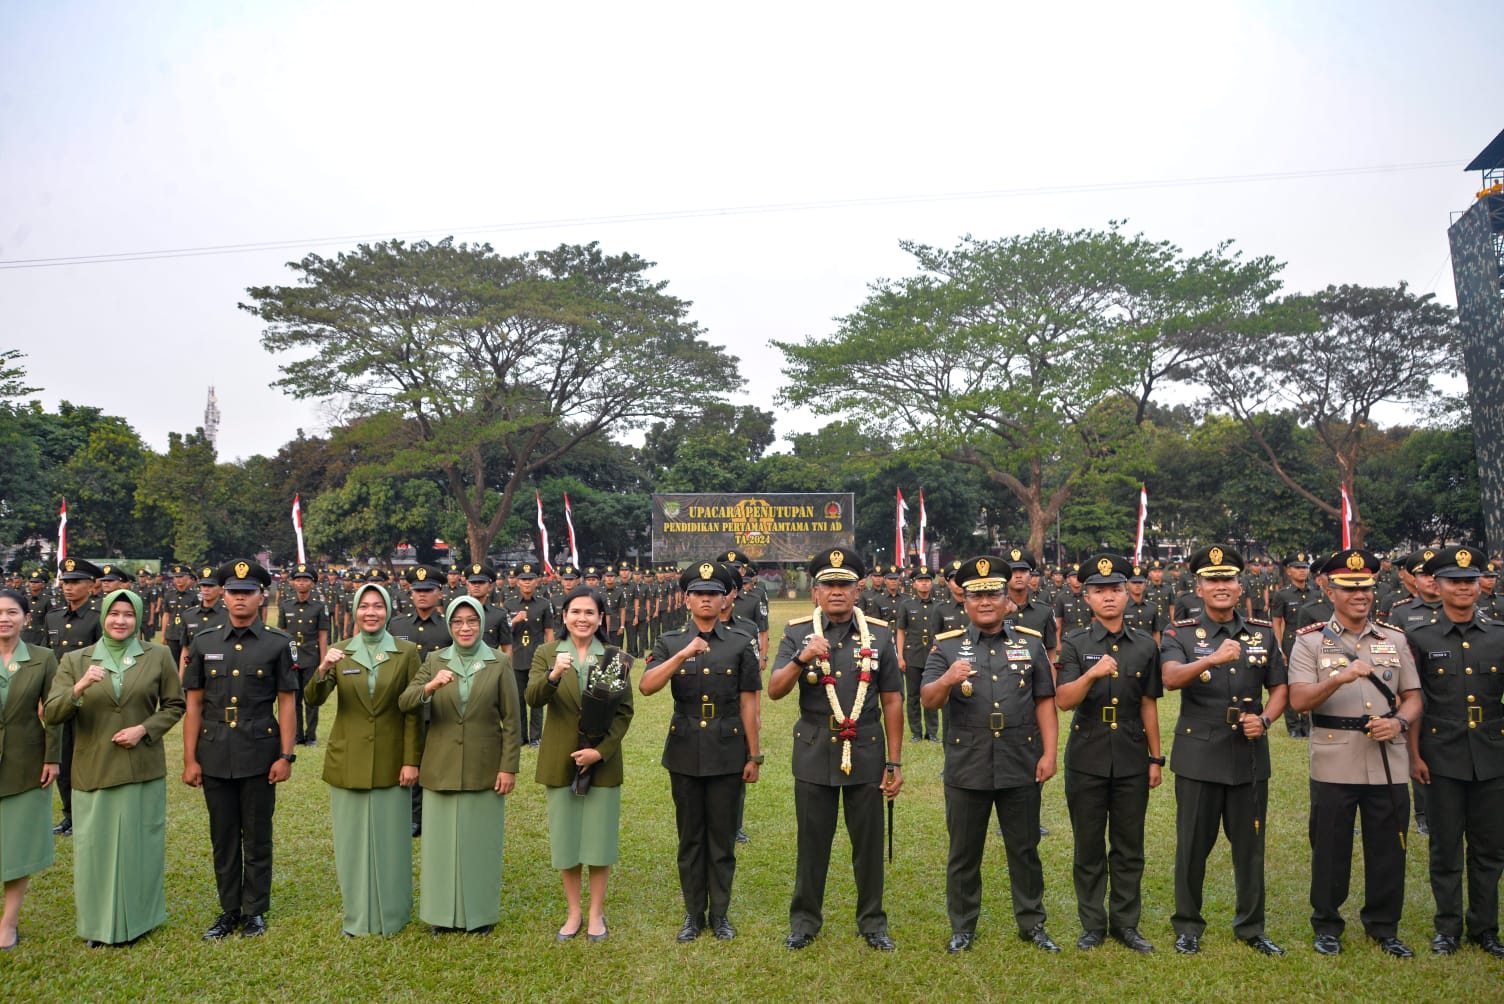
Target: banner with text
[777,527]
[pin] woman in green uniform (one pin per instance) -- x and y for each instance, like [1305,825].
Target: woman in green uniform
[29,759]
[582,829]
[373,755]
[122,695]
[470,763]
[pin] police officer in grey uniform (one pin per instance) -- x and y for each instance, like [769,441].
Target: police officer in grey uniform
[997,685]
[1358,681]
[838,756]
[238,743]
[1222,664]
[712,751]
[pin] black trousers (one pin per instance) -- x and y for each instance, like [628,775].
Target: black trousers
[705,810]
[65,772]
[922,722]
[1201,808]
[1110,809]
[306,724]
[815,809]
[1331,833]
[240,830]
[1470,811]
[967,814]
[533,717]
[417,789]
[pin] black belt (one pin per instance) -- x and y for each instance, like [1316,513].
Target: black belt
[699,709]
[1342,722]
[1232,716]
[1109,716]
[1475,716]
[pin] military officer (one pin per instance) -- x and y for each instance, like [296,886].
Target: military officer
[1488,601]
[1071,611]
[846,724]
[205,615]
[423,625]
[950,611]
[304,616]
[1109,674]
[1222,664]
[1457,752]
[72,625]
[998,687]
[1027,611]
[1358,681]
[916,618]
[531,618]
[38,592]
[1284,611]
[751,602]
[238,743]
[480,580]
[1158,591]
[1140,613]
[712,751]
[618,606]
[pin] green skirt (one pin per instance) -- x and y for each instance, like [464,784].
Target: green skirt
[373,855]
[25,833]
[583,830]
[461,858]
[120,860]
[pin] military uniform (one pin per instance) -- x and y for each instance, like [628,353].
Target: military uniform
[1071,610]
[527,635]
[706,752]
[1221,777]
[821,740]
[239,675]
[1460,740]
[35,631]
[1284,610]
[1107,759]
[916,619]
[1349,771]
[309,625]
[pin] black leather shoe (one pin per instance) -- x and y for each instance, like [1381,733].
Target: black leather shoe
[1445,944]
[959,942]
[254,926]
[1263,945]
[1090,940]
[65,828]
[310,742]
[417,830]
[1422,828]
[722,929]
[224,925]
[1040,938]
[1327,944]
[1187,944]
[1394,947]
[798,940]
[880,941]
[916,739]
[1131,939]
[932,738]
[1491,944]
[1044,831]
[742,837]
[691,930]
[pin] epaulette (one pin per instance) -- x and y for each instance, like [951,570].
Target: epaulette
[874,620]
[1258,623]
[801,620]
[1190,622]
[272,630]
[1311,627]
[1027,630]
[958,632]
[1392,627]
[1401,603]
[1076,632]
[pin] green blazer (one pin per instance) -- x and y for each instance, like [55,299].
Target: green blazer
[561,729]
[465,752]
[372,740]
[25,744]
[150,695]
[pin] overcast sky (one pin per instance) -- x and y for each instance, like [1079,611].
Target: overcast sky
[1329,135]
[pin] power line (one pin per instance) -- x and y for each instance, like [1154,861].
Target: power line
[687,214]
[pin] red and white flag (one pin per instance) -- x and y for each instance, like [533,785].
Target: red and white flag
[924,524]
[62,535]
[1347,520]
[574,553]
[543,533]
[297,529]
[1143,517]
[899,528]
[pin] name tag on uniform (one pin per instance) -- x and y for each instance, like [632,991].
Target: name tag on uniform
[403,637]
[1202,648]
[214,656]
[350,672]
[1438,655]
[1383,648]
[1256,650]
[1091,657]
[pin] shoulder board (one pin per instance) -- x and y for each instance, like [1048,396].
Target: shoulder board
[801,620]
[878,621]
[1258,623]
[1392,627]
[1027,630]
[1309,628]
[1189,622]
[1148,635]
[1074,632]
[1402,603]
[278,631]
[958,632]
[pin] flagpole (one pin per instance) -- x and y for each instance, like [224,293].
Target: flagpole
[543,533]
[924,523]
[62,535]
[1143,514]
[574,554]
[1347,520]
[898,530]
[297,528]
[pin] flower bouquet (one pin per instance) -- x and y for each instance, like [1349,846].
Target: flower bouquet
[606,684]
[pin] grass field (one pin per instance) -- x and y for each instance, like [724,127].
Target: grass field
[304,957]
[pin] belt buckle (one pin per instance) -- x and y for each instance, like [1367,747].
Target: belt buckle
[835,726]
[1110,714]
[707,710]
[1474,716]
[1234,715]
[231,715]
[996,721]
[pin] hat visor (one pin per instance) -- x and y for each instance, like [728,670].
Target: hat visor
[1104,580]
[1347,580]
[1458,572]
[836,576]
[1218,571]
[985,584]
[706,587]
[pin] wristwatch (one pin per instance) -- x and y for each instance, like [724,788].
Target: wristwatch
[758,759]
[799,662]
[1265,721]
[1404,723]
[289,757]
[1157,761]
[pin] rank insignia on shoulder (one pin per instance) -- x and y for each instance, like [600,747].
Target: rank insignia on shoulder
[1027,630]
[1309,628]
[1189,622]
[801,620]
[1392,627]
[1258,623]
[958,632]
[878,621]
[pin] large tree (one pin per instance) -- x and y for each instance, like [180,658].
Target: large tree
[1331,358]
[478,362]
[1026,357]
